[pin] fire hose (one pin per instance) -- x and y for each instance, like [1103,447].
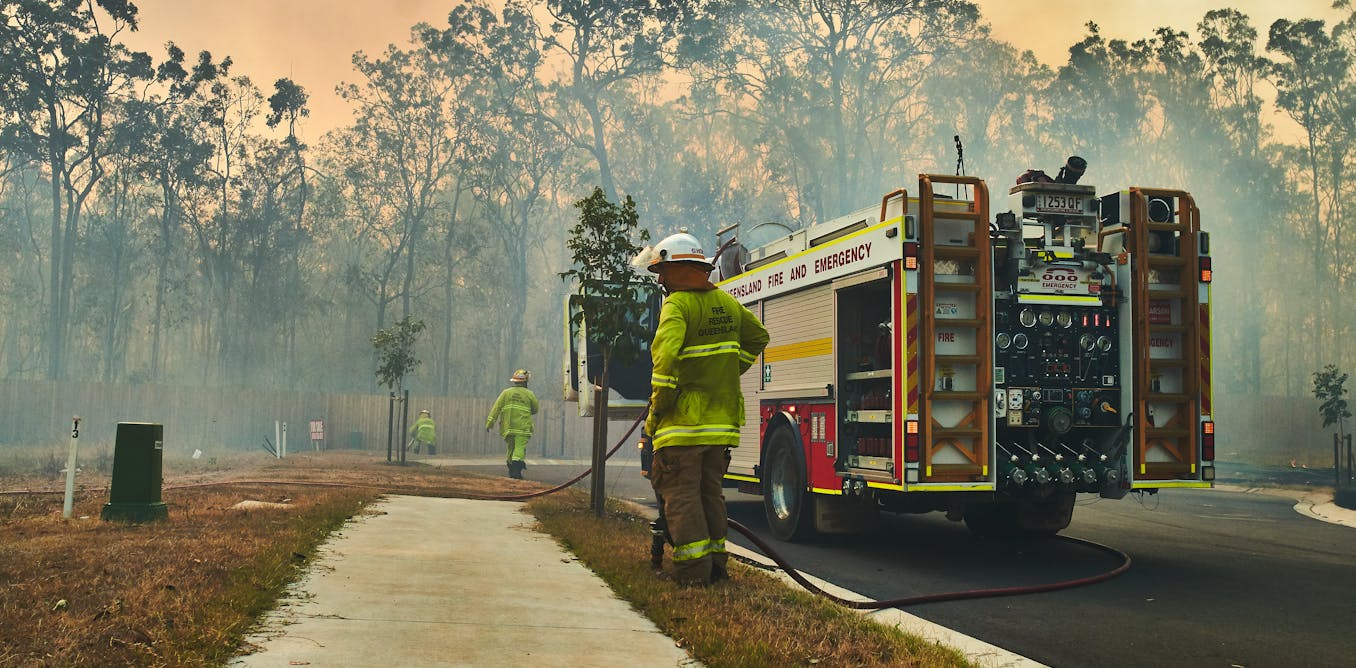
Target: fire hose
[660,536]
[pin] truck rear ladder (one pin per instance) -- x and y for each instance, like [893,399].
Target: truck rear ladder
[955,413]
[1166,393]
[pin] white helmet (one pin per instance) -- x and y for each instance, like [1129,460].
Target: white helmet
[681,247]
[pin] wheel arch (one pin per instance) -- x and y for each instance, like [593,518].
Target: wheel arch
[783,418]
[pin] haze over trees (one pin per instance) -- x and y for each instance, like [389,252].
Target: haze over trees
[161,221]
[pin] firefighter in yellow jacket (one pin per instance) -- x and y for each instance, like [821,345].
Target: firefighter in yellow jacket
[425,433]
[514,409]
[704,341]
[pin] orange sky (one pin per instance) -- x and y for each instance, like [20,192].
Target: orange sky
[312,41]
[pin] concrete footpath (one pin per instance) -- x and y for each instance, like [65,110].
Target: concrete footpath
[418,581]
[452,582]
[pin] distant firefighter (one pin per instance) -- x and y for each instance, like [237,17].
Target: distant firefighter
[425,433]
[514,409]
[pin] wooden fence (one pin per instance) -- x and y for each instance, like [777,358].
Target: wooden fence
[209,419]
[1249,428]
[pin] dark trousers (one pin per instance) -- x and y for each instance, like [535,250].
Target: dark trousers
[687,478]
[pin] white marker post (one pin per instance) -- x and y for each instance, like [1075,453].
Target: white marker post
[277,439]
[70,468]
[284,440]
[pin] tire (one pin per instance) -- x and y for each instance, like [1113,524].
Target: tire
[786,500]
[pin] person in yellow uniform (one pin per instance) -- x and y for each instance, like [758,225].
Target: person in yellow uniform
[514,410]
[704,341]
[425,433]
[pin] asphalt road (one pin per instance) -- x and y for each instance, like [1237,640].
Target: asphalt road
[1219,578]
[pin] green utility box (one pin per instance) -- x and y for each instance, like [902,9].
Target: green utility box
[134,495]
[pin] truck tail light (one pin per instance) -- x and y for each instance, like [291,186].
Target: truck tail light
[911,441]
[1206,274]
[1208,441]
[911,255]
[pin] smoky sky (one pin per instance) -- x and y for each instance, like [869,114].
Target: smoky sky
[312,41]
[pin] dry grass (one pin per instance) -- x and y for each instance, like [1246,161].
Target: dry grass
[184,591]
[754,620]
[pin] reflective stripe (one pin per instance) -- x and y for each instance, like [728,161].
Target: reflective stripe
[660,380]
[698,549]
[708,350]
[690,551]
[690,430]
[746,357]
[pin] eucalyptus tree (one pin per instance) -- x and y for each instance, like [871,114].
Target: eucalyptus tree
[226,109]
[510,152]
[694,169]
[407,109]
[1100,99]
[605,44]
[117,237]
[287,106]
[368,243]
[62,70]
[21,274]
[169,141]
[1248,193]
[1315,86]
[833,88]
[990,96]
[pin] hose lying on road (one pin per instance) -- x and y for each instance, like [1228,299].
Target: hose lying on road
[945,596]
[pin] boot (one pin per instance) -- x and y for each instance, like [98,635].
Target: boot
[512,470]
[516,470]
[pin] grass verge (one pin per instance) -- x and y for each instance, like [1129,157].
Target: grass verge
[184,591]
[753,620]
[178,592]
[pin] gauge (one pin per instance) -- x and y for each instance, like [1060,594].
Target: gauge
[1087,341]
[1046,318]
[1003,340]
[1104,343]
[1027,317]
[1064,319]
[1019,341]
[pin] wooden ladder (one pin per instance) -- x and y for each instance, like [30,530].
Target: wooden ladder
[955,416]
[1166,393]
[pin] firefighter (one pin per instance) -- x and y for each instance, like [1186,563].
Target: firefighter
[424,432]
[514,409]
[704,341]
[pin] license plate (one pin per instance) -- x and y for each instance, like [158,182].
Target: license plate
[1061,204]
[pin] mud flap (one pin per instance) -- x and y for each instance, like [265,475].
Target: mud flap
[835,514]
[1046,516]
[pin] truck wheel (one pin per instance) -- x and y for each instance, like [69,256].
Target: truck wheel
[786,502]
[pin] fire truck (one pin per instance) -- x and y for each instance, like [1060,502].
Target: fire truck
[928,355]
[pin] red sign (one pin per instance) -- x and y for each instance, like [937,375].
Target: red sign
[317,430]
[1160,312]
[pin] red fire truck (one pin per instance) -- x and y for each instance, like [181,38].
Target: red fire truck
[927,355]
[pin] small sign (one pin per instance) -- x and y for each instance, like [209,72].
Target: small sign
[767,373]
[947,309]
[317,430]
[1160,312]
